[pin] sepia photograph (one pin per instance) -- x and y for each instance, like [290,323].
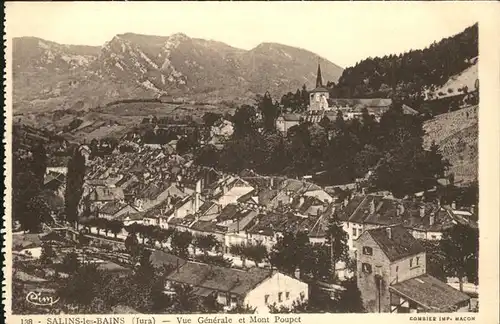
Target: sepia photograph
[196,158]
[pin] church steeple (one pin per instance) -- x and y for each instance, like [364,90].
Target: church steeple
[319,79]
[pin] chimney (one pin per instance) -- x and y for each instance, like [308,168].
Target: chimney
[372,207]
[196,201]
[432,218]
[453,205]
[198,186]
[401,208]
[346,201]
[422,210]
[271,182]
[388,230]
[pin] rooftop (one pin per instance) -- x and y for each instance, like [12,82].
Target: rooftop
[430,293]
[401,244]
[217,278]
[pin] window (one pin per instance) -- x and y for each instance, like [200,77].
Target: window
[280,297]
[287,294]
[411,262]
[354,232]
[367,268]
[266,299]
[367,250]
[417,259]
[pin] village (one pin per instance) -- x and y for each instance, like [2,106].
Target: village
[231,236]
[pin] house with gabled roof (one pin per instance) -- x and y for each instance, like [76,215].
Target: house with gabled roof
[156,193]
[114,209]
[392,275]
[229,189]
[256,287]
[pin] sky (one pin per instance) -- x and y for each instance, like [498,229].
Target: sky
[342,32]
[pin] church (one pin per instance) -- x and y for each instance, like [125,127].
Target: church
[321,105]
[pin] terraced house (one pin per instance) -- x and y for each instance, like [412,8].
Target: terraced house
[422,220]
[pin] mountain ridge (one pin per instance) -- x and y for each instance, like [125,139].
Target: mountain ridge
[49,75]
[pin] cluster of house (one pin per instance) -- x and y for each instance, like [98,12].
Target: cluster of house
[169,191]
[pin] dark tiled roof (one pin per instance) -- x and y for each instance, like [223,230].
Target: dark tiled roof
[351,102]
[132,216]
[430,293]
[112,207]
[270,223]
[346,213]
[359,210]
[160,258]
[107,194]
[291,117]
[228,212]
[400,245]
[217,278]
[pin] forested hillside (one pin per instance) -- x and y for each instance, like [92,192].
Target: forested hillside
[412,73]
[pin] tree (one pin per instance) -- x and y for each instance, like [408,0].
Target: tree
[245,121]
[29,206]
[256,252]
[115,226]
[70,263]
[349,300]
[289,252]
[132,245]
[208,155]
[185,301]
[209,118]
[460,245]
[162,235]
[205,243]
[101,224]
[238,250]
[39,162]
[180,243]
[269,112]
[83,286]
[47,255]
[336,239]
[74,186]
[436,165]
[317,262]
[242,309]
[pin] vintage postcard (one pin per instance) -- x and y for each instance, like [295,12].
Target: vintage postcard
[288,162]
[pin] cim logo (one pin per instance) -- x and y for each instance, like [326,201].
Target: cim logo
[41,298]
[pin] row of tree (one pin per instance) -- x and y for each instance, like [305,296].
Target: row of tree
[179,241]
